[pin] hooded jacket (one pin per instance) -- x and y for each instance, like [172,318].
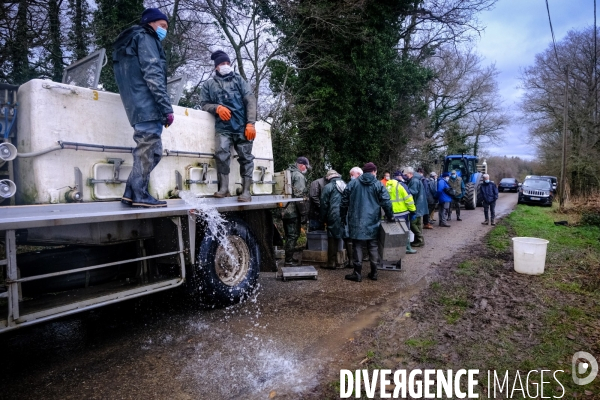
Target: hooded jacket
[299,190]
[140,67]
[233,92]
[442,196]
[362,201]
[418,192]
[314,193]
[331,199]
[402,200]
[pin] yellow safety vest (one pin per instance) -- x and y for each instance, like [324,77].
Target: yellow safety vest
[402,201]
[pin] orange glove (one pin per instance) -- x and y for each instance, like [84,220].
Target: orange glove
[224,113]
[250,131]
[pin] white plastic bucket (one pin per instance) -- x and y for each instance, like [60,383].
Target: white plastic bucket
[529,255]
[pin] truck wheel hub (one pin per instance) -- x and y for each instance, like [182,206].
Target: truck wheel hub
[232,264]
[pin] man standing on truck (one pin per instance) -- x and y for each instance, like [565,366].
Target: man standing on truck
[230,99]
[140,67]
[362,201]
[295,213]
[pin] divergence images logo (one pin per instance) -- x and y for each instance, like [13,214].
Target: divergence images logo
[589,366]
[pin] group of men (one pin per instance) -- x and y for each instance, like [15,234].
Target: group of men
[140,67]
[352,212]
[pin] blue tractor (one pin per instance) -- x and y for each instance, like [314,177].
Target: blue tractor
[467,168]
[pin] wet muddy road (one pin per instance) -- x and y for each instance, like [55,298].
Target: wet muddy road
[282,340]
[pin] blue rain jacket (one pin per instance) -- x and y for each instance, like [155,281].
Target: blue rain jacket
[140,67]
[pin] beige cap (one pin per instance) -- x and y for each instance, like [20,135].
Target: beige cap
[332,174]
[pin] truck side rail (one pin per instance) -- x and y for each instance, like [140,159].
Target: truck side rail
[35,216]
[17,316]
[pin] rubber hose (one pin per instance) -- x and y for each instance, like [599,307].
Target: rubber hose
[39,153]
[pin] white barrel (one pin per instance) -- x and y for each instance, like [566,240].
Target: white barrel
[529,255]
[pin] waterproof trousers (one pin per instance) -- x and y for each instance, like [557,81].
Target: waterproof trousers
[416,226]
[146,156]
[492,208]
[291,227]
[335,252]
[357,257]
[242,146]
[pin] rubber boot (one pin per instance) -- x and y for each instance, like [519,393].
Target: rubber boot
[289,257]
[150,202]
[355,275]
[409,250]
[331,252]
[126,199]
[493,223]
[340,259]
[245,196]
[223,186]
[373,274]
[349,249]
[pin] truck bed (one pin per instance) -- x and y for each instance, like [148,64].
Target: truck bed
[36,216]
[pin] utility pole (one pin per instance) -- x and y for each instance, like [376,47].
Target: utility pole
[563,167]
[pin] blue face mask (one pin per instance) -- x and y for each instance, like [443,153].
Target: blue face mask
[487,181]
[453,175]
[161,32]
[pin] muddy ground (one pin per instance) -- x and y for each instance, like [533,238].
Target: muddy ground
[287,342]
[478,313]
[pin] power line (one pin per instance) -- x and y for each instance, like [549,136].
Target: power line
[552,31]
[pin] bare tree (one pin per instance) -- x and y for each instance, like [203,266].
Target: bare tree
[462,96]
[436,23]
[543,108]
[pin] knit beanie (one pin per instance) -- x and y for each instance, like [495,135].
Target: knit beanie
[219,57]
[151,15]
[369,167]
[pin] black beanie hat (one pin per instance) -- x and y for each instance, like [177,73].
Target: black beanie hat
[151,15]
[219,57]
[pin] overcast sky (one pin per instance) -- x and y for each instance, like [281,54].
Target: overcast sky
[517,30]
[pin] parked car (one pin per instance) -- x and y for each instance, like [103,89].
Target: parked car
[536,190]
[554,181]
[511,184]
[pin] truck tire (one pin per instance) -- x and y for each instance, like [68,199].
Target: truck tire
[223,279]
[470,196]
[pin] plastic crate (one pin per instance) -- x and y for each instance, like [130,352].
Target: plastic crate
[317,240]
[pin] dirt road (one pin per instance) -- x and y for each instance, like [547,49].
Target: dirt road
[279,343]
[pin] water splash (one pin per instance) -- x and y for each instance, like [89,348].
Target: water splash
[217,225]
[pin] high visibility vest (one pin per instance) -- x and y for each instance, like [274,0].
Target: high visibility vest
[402,201]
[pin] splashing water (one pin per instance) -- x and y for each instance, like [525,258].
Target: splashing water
[217,225]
